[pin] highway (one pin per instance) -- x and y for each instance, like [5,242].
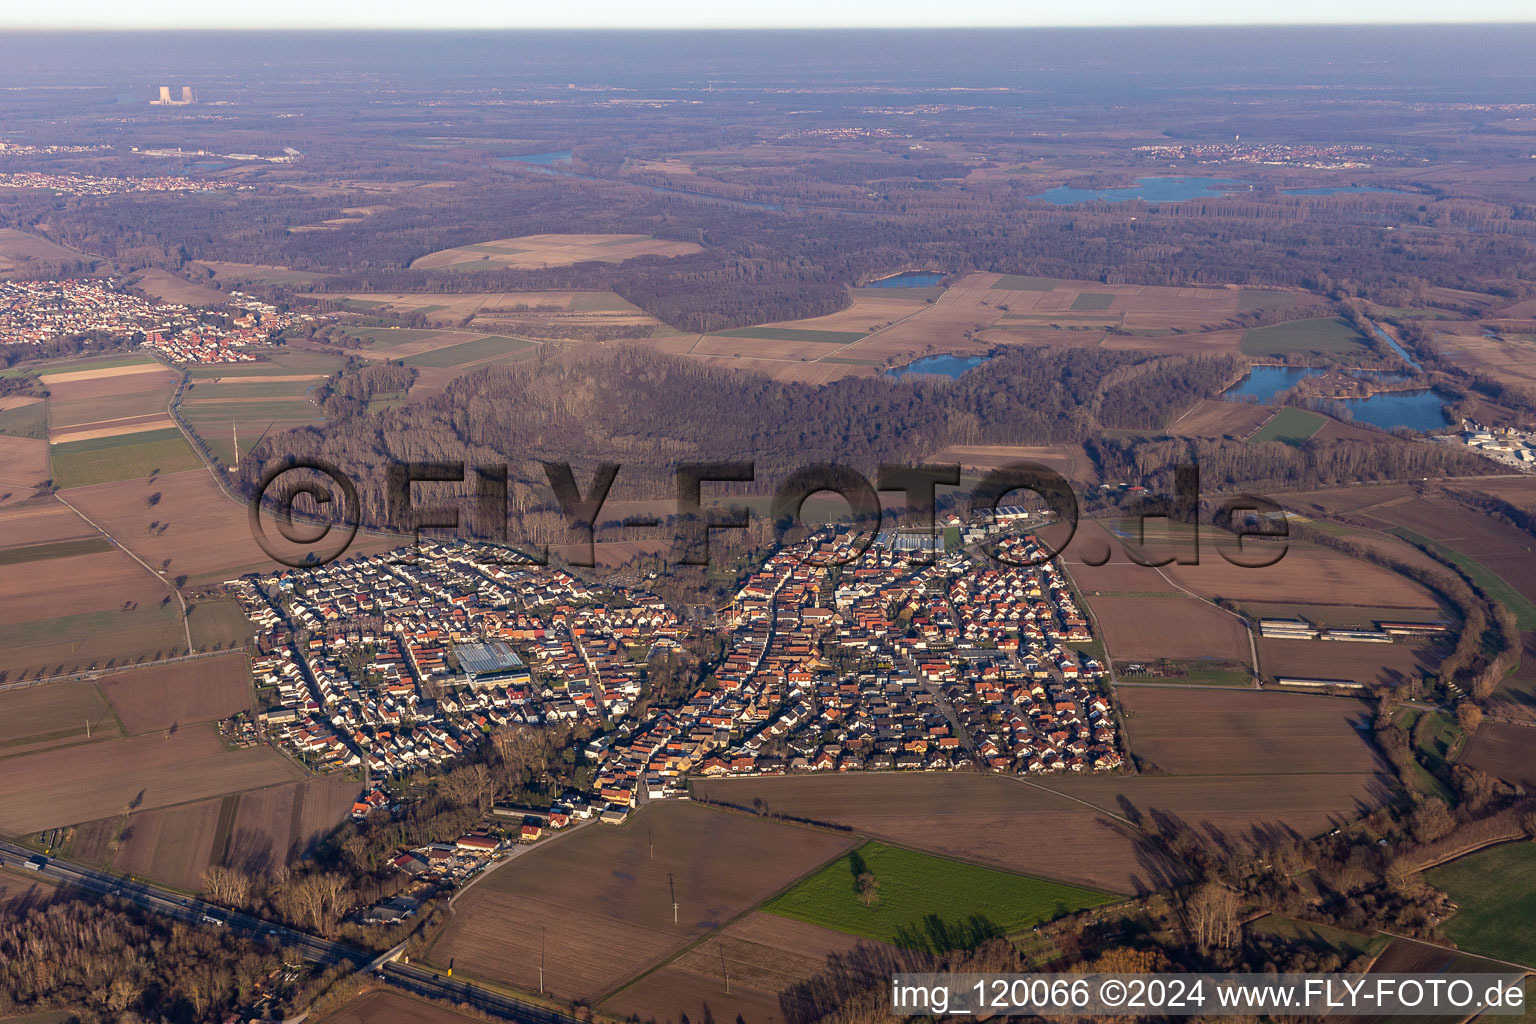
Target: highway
[313,949]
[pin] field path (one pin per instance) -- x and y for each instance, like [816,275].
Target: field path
[1021,780]
[185,622]
[1253,648]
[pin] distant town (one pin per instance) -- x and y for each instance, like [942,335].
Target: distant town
[39,312]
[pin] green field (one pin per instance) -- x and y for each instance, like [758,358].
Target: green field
[480,350]
[1093,300]
[263,388]
[388,337]
[54,549]
[92,363]
[1323,336]
[284,362]
[218,623]
[25,421]
[592,302]
[217,422]
[71,642]
[1022,283]
[1290,425]
[1260,298]
[792,334]
[1496,891]
[1321,936]
[125,457]
[1491,582]
[922,896]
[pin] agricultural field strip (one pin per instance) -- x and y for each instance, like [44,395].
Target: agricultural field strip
[175,591]
[724,926]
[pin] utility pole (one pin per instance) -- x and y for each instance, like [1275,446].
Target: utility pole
[723,969]
[543,933]
[672,887]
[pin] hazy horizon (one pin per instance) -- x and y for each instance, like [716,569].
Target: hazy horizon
[784,14]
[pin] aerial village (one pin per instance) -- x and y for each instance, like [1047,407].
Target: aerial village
[39,312]
[899,657]
[97,185]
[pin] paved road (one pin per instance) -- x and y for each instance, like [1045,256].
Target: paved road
[313,949]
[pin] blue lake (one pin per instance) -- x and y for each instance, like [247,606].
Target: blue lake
[1418,410]
[1265,382]
[1153,190]
[910,279]
[938,366]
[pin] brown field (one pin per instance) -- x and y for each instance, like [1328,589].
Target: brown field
[1169,627]
[974,817]
[59,711]
[23,467]
[1334,501]
[1307,574]
[1242,732]
[901,327]
[1518,491]
[1238,808]
[277,825]
[387,1006]
[19,250]
[164,286]
[170,845]
[1388,664]
[42,521]
[1502,549]
[1504,751]
[608,902]
[1118,575]
[90,582]
[553,251]
[505,312]
[793,370]
[108,401]
[113,428]
[61,786]
[191,529]
[764,954]
[1220,419]
[20,889]
[99,373]
[162,696]
[1068,460]
[1504,358]
[87,608]
[256,831]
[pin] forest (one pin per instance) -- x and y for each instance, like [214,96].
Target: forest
[648,412]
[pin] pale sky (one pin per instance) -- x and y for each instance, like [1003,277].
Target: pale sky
[383,14]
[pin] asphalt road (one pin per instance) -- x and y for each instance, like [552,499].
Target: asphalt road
[314,950]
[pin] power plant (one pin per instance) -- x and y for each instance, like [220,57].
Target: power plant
[187,97]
